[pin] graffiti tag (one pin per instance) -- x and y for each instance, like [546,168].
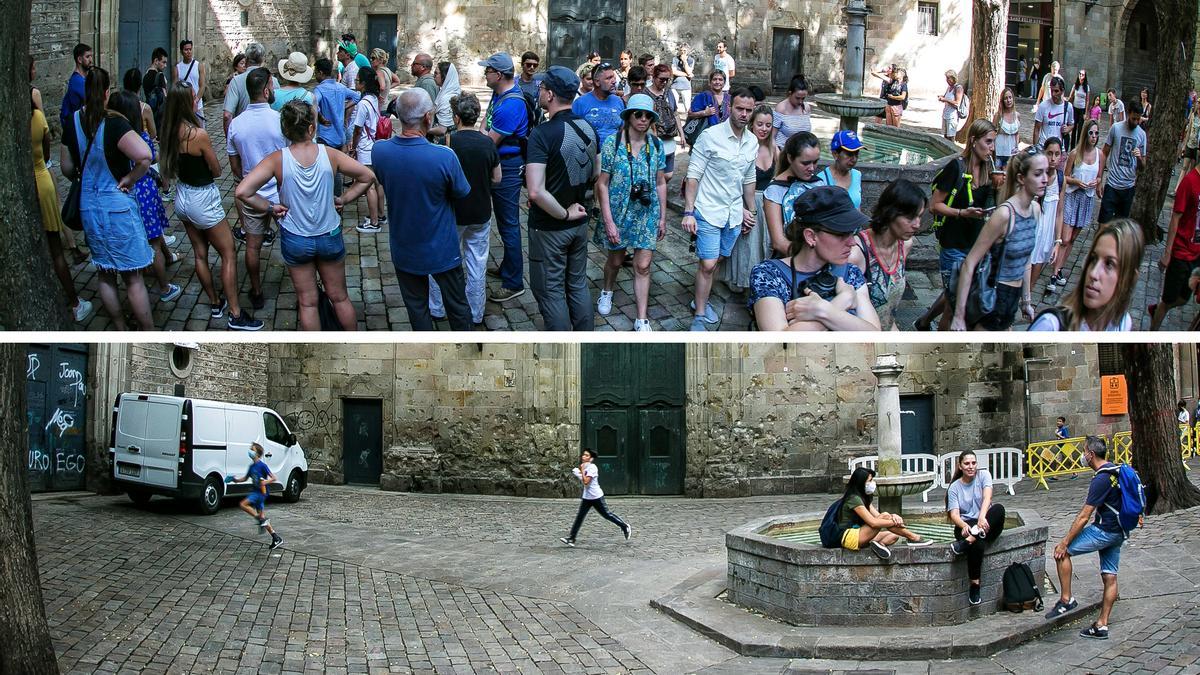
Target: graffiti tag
[62,420]
[71,379]
[32,368]
[73,462]
[38,460]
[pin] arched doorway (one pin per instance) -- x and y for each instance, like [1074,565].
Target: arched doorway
[1139,59]
[581,26]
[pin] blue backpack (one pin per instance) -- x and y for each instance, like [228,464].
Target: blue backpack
[1133,497]
[831,534]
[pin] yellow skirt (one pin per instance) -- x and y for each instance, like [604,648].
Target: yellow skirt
[48,201]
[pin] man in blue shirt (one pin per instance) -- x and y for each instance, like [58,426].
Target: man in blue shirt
[601,106]
[333,99]
[422,182]
[1104,535]
[507,124]
[73,99]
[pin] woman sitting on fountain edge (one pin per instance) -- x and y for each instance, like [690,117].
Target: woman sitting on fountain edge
[969,495]
[861,523]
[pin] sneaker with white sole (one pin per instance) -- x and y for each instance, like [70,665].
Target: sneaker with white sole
[82,310]
[920,544]
[171,293]
[710,313]
[1061,608]
[217,311]
[505,294]
[628,532]
[698,325]
[882,551]
[1095,632]
[244,322]
[276,543]
[366,227]
[604,303]
[568,541]
[642,326]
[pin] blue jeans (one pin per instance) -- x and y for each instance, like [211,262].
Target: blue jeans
[1108,544]
[506,204]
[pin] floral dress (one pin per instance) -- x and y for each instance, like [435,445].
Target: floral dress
[637,223]
[149,201]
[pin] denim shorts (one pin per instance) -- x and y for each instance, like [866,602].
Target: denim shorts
[1093,538]
[300,250]
[714,242]
[948,260]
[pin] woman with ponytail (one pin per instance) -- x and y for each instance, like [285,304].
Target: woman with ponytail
[109,158]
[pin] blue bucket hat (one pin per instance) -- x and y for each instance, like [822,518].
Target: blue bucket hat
[639,102]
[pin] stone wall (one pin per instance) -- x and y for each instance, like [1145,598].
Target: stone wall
[234,372]
[54,32]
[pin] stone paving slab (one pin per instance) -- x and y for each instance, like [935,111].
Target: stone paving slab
[375,293]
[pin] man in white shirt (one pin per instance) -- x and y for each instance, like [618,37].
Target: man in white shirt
[252,136]
[593,498]
[1055,116]
[724,63]
[194,73]
[719,196]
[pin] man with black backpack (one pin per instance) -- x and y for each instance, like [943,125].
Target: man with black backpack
[508,121]
[1104,535]
[154,84]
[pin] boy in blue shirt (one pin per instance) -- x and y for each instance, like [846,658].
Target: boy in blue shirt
[255,503]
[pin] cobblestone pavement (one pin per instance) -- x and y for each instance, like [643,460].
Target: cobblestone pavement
[452,583]
[374,291]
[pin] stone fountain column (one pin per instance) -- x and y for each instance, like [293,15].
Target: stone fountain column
[856,45]
[887,370]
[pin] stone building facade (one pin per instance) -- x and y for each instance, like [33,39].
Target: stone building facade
[703,420]
[770,39]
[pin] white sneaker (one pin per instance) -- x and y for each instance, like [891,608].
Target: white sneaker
[169,240]
[642,326]
[82,311]
[604,304]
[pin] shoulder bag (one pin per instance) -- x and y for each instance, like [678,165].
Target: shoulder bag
[71,216]
[981,299]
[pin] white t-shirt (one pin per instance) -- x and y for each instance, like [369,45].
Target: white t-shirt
[252,136]
[1053,117]
[1049,322]
[190,73]
[1116,107]
[366,115]
[725,65]
[592,489]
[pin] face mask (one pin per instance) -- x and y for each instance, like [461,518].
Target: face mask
[252,455]
[870,488]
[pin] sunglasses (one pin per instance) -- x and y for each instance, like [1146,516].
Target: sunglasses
[1033,150]
[637,83]
[663,79]
[641,115]
[530,64]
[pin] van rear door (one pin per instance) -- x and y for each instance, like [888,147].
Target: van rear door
[147,440]
[128,438]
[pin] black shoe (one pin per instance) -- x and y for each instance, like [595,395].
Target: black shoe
[244,322]
[882,551]
[277,542]
[257,301]
[1095,632]
[1061,608]
[239,234]
[217,311]
[959,547]
[973,595]
[269,238]
[493,272]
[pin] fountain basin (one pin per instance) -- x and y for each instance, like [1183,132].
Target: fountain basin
[776,567]
[904,485]
[849,106]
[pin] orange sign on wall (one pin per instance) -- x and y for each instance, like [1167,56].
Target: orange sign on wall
[1114,395]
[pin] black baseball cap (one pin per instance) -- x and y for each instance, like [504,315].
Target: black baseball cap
[563,82]
[829,208]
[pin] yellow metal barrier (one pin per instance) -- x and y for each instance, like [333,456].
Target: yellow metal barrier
[1187,444]
[1054,458]
[1120,448]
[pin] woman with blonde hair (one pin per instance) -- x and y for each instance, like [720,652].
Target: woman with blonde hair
[1079,203]
[1101,299]
[754,244]
[1008,127]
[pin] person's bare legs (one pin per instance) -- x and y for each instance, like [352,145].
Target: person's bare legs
[333,278]
[61,269]
[160,264]
[704,282]
[1160,312]
[253,252]
[108,297]
[373,203]
[1064,250]
[938,309]
[304,278]
[200,254]
[641,279]
[168,256]
[221,238]
[1110,598]
[1064,578]
[139,299]
[612,265]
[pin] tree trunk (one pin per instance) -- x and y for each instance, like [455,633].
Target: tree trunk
[1177,40]
[20,590]
[1149,373]
[30,297]
[989,41]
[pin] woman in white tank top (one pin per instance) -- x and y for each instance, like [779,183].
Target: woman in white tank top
[1079,202]
[1008,128]
[309,215]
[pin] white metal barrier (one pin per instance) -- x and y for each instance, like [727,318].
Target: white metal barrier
[1005,465]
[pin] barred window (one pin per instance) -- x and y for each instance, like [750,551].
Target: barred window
[927,18]
[1110,359]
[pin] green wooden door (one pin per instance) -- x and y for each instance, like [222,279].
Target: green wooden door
[633,416]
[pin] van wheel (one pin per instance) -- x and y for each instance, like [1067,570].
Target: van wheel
[139,497]
[295,485]
[210,498]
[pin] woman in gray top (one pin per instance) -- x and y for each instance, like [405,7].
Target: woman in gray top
[969,495]
[1008,237]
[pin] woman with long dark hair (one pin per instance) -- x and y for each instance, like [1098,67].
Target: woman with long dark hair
[754,246]
[792,114]
[797,174]
[102,149]
[897,97]
[977,520]
[862,524]
[881,250]
[188,158]
[1079,94]
[592,498]
[149,201]
[1101,299]
[366,120]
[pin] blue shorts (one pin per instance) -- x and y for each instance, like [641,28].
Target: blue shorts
[948,260]
[301,250]
[714,242]
[257,499]
[1092,539]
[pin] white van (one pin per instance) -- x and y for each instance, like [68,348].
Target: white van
[184,448]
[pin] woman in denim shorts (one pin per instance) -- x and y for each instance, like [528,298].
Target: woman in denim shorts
[308,213]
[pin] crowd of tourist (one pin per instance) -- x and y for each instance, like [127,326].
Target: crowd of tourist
[593,150]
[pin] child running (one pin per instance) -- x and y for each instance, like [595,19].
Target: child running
[593,498]
[255,503]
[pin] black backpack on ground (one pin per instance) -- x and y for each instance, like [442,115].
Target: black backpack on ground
[1021,591]
[326,312]
[831,534]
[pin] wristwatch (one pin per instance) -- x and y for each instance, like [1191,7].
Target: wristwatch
[689,213]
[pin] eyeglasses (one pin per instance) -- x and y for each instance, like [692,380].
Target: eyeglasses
[530,64]
[641,115]
[663,79]
[637,83]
